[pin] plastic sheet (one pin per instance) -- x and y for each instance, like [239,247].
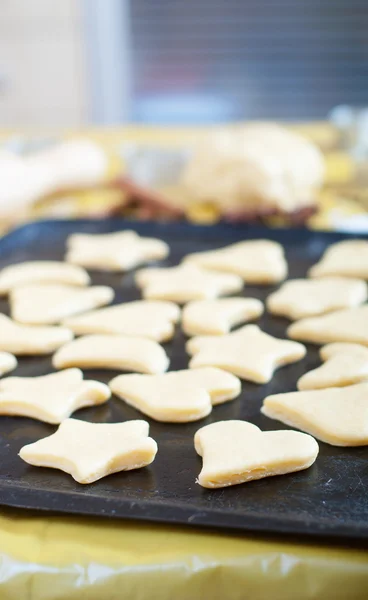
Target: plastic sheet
[57,558]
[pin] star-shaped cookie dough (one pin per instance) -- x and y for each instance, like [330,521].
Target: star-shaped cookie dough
[8,363]
[24,340]
[143,318]
[50,398]
[248,352]
[120,251]
[121,352]
[256,261]
[90,451]
[300,298]
[179,396]
[217,317]
[348,259]
[337,416]
[345,364]
[234,452]
[185,283]
[46,271]
[44,304]
[350,325]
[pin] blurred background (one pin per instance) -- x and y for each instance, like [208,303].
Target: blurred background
[153,73]
[72,62]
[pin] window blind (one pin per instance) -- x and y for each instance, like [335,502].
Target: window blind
[214,60]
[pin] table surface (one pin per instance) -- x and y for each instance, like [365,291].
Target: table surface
[94,559]
[54,557]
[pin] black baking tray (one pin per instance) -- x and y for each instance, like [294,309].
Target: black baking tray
[330,499]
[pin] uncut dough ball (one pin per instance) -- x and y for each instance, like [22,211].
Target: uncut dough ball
[256,167]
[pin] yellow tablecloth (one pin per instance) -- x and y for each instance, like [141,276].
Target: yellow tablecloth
[55,558]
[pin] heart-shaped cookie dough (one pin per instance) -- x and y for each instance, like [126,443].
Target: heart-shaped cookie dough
[8,363]
[337,416]
[345,364]
[236,451]
[350,325]
[248,352]
[217,317]
[348,258]
[50,398]
[46,271]
[302,298]
[40,304]
[179,396]
[24,340]
[143,318]
[120,251]
[255,261]
[185,283]
[113,352]
[90,451]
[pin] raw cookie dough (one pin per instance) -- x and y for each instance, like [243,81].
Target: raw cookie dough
[348,259]
[38,304]
[248,352]
[255,261]
[90,451]
[345,365]
[46,271]
[337,416]
[179,396]
[253,168]
[185,283]
[8,362]
[24,340]
[50,398]
[236,451]
[217,317]
[350,325]
[143,318]
[336,348]
[113,352]
[120,251]
[302,298]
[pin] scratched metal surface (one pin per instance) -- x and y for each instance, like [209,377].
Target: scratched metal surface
[329,499]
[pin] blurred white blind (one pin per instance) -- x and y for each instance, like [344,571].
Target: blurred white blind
[210,60]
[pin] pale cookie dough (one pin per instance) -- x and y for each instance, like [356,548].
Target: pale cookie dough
[302,298]
[348,259]
[217,317]
[350,325]
[50,398]
[24,340]
[113,352]
[337,416]
[234,452]
[247,352]
[8,363]
[345,365]
[179,396]
[185,283]
[336,348]
[38,304]
[90,451]
[253,168]
[120,251]
[143,318]
[46,271]
[255,261]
